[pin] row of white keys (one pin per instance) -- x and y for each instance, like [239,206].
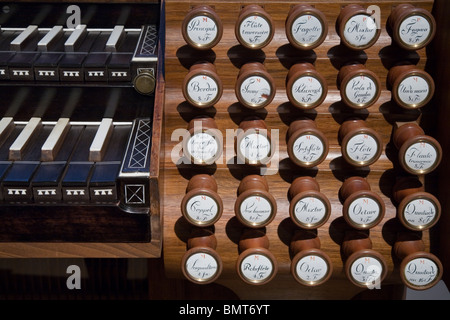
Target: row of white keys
[71,44]
[54,141]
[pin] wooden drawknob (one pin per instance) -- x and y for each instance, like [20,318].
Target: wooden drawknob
[253,142]
[419,270]
[202,206]
[411,28]
[202,28]
[202,87]
[307,146]
[360,145]
[306,27]
[254,87]
[254,27]
[411,87]
[357,28]
[202,143]
[364,267]
[201,263]
[359,87]
[363,209]
[309,208]
[255,265]
[255,207]
[416,209]
[310,266]
[305,87]
[418,153]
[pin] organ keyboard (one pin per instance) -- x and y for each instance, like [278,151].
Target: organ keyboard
[74,161]
[80,54]
[80,121]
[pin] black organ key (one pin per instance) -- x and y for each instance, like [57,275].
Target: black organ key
[76,49]
[46,66]
[79,169]
[103,182]
[6,37]
[5,163]
[4,68]
[119,67]
[17,180]
[71,67]
[95,67]
[21,66]
[47,181]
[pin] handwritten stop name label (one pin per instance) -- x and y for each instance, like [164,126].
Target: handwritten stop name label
[201,266]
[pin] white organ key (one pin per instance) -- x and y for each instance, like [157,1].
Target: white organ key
[6,127]
[20,41]
[101,139]
[53,35]
[55,140]
[114,39]
[19,145]
[74,40]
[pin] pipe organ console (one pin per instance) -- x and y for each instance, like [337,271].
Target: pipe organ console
[299,148]
[80,125]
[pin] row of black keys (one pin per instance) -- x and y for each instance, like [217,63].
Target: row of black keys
[87,59]
[71,177]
